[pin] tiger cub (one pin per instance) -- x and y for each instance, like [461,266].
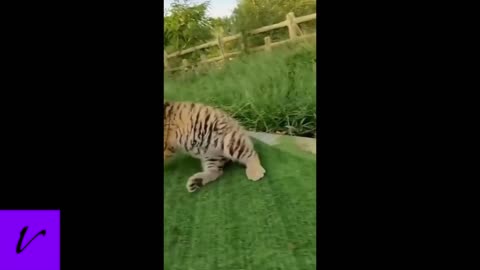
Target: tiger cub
[210,135]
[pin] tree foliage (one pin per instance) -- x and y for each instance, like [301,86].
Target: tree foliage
[251,14]
[186,25]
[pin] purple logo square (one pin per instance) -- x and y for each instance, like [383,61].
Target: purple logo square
[30,239]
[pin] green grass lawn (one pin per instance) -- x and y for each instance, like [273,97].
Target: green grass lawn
[234,223]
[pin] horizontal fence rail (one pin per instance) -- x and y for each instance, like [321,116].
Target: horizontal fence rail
[291,22]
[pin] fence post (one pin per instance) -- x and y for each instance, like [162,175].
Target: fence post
[291,25]
[243,42]
[268,44]
[165,60]
[221,46]
[184,70]
[185,64]
[203,61]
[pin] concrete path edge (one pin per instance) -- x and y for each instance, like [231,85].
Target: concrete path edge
[306,144]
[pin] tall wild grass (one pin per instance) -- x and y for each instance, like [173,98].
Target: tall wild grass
[269,92]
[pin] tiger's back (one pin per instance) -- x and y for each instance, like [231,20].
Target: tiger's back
[211,135]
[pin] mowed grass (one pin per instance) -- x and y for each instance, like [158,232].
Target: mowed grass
[234,223]
[268,92]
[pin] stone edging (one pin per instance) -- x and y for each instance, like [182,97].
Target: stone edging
[306,144]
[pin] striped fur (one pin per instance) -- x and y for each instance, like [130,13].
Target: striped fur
[210,135]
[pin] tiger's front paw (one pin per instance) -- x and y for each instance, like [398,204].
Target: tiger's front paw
[256,172]
[194,183]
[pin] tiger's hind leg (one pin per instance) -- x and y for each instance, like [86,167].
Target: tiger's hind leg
[212,170]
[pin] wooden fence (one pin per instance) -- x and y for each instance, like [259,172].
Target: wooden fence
[294,32]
